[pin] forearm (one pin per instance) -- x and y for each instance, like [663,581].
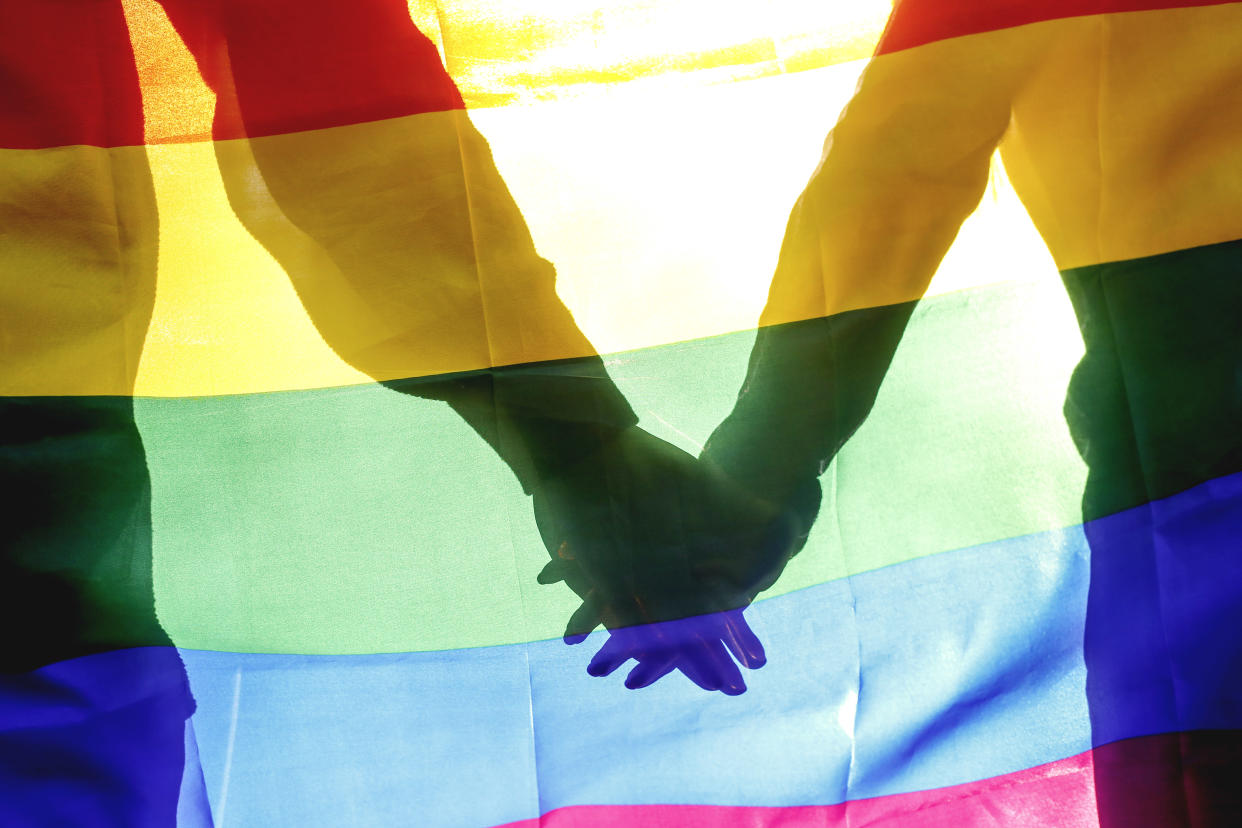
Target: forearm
[430,276]
[843,294]
[809,386]
[539,418]
[906,164]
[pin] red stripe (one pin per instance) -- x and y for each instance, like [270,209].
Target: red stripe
[309,64]
[277,66]
[915,22]
[67,75]
[1166,780]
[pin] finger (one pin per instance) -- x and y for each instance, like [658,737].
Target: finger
[700,664]
[741,640]
[617,650]
[650,670]
[727,673]
[555,572]
[585,619]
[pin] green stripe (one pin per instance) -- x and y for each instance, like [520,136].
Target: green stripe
[1156,405]
[75,564]
[361,520]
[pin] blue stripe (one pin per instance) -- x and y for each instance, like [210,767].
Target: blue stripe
[934,672]
[99,740]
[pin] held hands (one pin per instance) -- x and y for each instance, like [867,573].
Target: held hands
[665,551]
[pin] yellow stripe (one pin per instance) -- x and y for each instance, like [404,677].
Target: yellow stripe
[1128,142]
[662,213]
[658,235]
[77,268]
[398,236]
[1123,142]
[400,240]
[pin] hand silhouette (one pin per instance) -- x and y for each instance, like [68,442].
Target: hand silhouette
[700,647]
[664,551]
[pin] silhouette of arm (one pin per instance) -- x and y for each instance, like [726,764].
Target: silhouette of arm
[338,130]
[384,206]
[906,163]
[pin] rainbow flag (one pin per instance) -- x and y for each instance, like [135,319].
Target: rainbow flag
[302,302]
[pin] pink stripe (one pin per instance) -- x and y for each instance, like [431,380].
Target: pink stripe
[1060,793]
[1163,780]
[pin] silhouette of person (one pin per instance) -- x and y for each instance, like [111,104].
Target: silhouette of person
[1122,134]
